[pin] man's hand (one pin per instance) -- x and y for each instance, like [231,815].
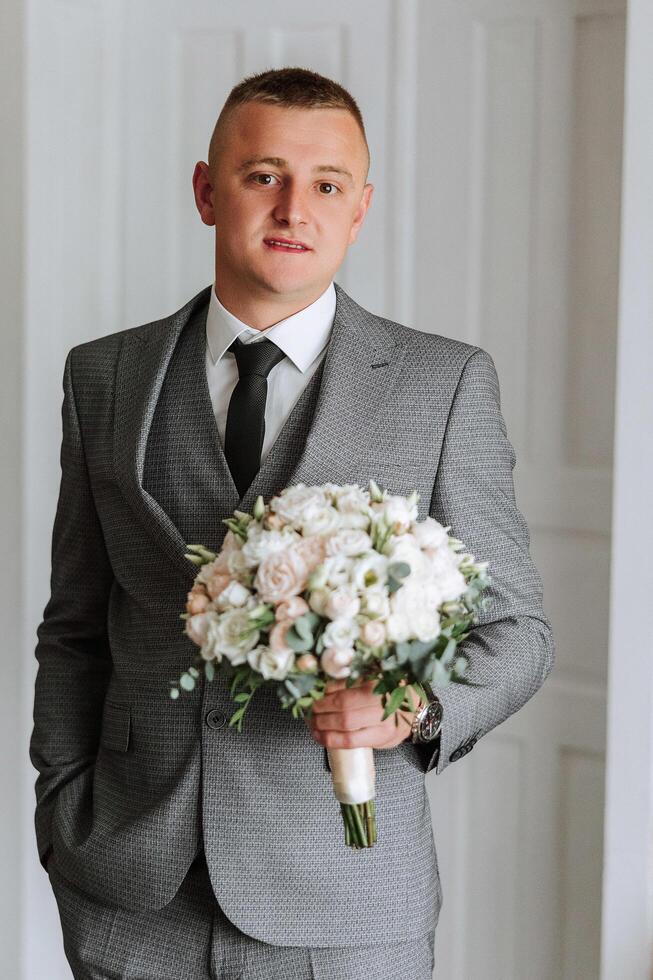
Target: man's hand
[349,718]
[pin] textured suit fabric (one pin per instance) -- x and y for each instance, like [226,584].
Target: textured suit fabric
[192,938]
[129,782]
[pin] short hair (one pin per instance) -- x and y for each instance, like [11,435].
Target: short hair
[289,87]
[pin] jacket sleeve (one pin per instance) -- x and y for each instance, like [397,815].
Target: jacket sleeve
[74,661]
[511,650]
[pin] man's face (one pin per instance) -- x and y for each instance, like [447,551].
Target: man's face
[289,173]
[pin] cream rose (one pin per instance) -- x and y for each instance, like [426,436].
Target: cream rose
[196,627]
[234,594]
[373,633]
[271,664]
[228,642]
[297,505]
[343,603]
[281,575]
[348,541]
[341,633]
[261,543]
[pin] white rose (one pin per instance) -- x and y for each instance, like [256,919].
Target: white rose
[406,548]
[227,640]
[233,595]
[353,505]
[343,603]
[273,665]
[208,650]
[322,520]
[373,633]
[281,575]
[297,504]
[398,627]
[341,633]
[416,605]
[375,602]
[429,533]
[335,662]
[348,541]
[336,570]
[318,599]
[444,572]
[399,512]
[261,543]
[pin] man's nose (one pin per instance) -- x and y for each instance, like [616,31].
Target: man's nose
[291,207]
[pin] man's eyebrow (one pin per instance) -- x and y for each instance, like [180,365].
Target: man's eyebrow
[324,168]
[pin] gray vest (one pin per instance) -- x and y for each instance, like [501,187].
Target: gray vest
[185,468]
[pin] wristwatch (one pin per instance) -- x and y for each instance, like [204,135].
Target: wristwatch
[428,720]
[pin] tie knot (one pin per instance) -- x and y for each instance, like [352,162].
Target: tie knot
[258,357]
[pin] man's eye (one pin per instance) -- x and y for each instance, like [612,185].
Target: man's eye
[327,184]
[256,176]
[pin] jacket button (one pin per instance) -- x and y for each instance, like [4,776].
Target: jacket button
[216,718]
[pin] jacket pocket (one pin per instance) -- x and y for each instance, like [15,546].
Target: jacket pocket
[116,726]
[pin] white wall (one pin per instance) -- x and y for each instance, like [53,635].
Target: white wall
[14,836]
[627,928]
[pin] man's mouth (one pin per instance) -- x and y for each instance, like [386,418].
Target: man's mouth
[286,245]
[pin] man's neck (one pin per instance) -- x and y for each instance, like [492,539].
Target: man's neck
[262,314]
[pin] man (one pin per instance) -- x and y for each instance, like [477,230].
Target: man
[177,846]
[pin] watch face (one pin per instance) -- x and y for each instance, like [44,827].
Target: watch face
[431,722]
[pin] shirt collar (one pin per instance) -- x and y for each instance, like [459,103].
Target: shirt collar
[301,336]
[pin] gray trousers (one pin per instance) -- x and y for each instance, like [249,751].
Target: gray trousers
[192,939]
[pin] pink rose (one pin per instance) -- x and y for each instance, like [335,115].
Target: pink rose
[216,583]
[307,662]
[277,637]
[292,608]
[335,662]
[281,575]
[197,600]
[312,550]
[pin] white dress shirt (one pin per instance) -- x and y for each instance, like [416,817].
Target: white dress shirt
[303,337]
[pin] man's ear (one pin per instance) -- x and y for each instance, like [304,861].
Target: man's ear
[361,211]
[203,191]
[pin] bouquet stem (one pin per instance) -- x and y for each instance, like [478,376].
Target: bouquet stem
[352,773]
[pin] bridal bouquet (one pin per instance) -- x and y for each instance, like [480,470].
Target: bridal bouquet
[329,582]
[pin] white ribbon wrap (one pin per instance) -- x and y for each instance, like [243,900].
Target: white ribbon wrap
[352,772]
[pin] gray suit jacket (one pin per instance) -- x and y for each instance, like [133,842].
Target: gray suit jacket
[131,784]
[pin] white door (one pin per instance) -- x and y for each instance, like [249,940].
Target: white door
[519,172]
[494,130]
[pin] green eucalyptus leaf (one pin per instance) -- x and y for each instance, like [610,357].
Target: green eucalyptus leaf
[297,643]
[302,627]
[187,682]
[399,569]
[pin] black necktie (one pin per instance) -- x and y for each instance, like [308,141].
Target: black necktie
[246,415]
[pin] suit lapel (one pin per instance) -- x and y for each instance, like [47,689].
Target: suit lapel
[360,369]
